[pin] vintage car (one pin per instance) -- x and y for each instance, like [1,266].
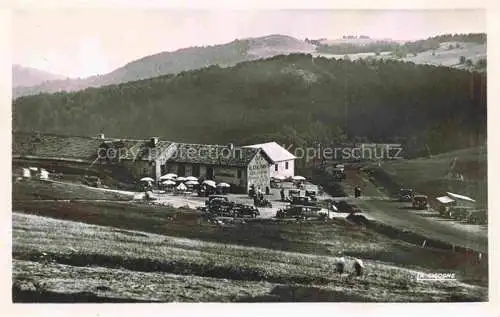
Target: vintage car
[241,210]
[299,212]
[311,194]
[303,200]
[420,202]
[406,194]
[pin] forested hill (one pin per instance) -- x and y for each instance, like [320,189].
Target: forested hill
[292,98]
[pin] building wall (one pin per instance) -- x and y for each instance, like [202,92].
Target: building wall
[282,170]
[258,173]
[140,169]
[230,175]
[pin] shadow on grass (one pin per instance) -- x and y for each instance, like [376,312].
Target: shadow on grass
[299,293]
[210,269]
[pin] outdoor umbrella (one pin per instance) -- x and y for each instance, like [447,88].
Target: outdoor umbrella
[168,183]
[180,179]
[279,177]
[190,183]
[298,178]
[147,179]
[34,169]
[191,178]
[181,187]
[209,183]
[169,176]
[224,185]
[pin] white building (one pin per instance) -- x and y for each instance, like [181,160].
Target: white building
[282,161]
[462,201]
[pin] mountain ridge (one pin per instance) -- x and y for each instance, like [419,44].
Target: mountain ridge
[25,76]
[174,62]
[425,51]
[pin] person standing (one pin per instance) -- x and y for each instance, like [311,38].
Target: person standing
[358,267]
[357,192]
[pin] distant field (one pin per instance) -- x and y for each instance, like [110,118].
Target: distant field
[442,56]
[430,175]
[163,268]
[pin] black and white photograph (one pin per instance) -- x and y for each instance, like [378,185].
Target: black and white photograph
[176,155]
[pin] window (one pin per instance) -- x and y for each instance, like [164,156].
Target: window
[275,167]
[239,173]
[286,165]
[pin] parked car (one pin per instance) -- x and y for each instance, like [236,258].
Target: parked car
[216,199]
[460,213]
[311,194]
[406,194]
[478,217]
[338,174]
[420,202]
[241,210]
[303,201]
[299,212]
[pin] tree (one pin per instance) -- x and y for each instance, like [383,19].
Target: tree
[469,63]
[462,60]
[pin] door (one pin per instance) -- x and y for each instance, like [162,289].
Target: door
[210,173]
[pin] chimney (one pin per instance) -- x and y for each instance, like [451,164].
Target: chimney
[154,141]
[101,136]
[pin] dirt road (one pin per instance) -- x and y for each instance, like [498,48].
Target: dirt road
[397,214]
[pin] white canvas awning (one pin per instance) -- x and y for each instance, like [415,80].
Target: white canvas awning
[461,197]
[445,200]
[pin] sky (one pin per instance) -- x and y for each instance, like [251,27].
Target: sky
[85,42]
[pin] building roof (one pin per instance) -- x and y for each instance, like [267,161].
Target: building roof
[461,197]
[53,145]
[445,200]
[274,151]
[213,154]
[89,148]
[142,150]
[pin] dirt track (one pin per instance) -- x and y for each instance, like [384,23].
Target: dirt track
[397,214]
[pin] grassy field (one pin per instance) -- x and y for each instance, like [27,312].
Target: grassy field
[256,261]
[429,175]
[113,250]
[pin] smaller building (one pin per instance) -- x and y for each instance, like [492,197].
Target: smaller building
[282,161]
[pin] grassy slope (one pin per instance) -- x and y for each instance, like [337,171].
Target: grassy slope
[428,175]
[34,189]
[132,265]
